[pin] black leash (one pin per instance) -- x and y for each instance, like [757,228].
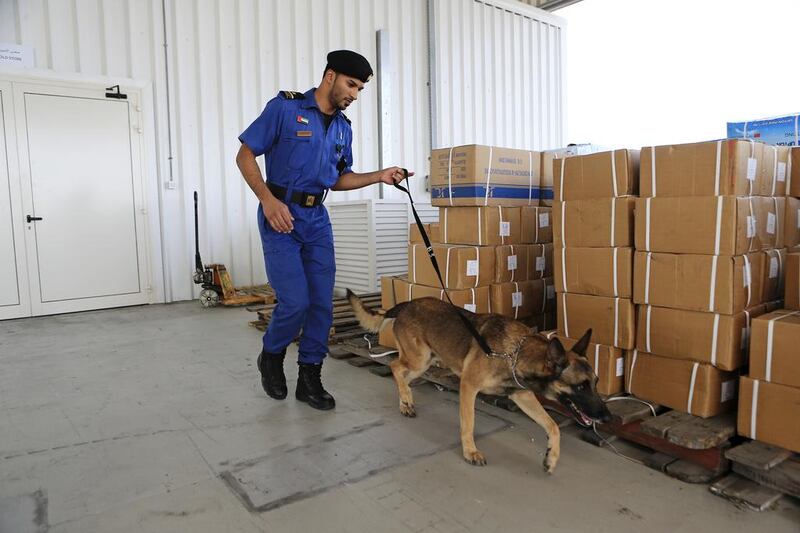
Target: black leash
[478,337]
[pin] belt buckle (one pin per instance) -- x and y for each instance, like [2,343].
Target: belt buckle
[309,201]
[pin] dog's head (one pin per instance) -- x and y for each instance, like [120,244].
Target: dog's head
[572,382]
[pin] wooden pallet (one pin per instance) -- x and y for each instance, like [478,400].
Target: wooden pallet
[762,474]
[345,325]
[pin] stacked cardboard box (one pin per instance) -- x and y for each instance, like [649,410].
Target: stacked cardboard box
[593,239]
[769,398]
[493,242]
[709,254]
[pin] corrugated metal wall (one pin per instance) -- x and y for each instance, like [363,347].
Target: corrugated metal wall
[226,58]
[498,75]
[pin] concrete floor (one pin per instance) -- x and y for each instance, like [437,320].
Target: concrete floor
[129,419]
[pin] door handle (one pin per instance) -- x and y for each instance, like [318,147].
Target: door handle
[32,219]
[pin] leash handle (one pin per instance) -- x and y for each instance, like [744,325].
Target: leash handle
[470,327]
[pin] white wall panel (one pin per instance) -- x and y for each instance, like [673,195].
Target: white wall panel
[225,60]
[498,75]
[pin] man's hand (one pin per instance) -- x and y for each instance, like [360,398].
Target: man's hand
[278,215]
[393,175]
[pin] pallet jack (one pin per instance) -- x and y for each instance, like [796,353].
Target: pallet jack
[216,281]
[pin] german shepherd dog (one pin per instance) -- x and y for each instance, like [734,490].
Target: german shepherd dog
[429,330]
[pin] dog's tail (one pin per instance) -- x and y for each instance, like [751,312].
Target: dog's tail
[369,319]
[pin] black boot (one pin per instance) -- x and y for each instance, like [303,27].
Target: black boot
[272,377]
[309,388]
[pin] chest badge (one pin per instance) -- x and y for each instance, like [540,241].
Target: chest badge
[302,120]
[302,133]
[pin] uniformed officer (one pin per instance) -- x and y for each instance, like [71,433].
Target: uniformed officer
[306,142]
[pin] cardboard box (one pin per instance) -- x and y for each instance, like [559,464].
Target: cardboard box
[462,267]
[768,412]
[606,361]
[511,263]
[612,320]
[414,236]
[522,299]
[475,300]
[388,298]
[793,183]
[603,223]
[595,271]
[732,167]
[475,175]
[792,285]
[773,275]
[611,174]
[693,388]
[719,340]
[482,226]
[541,322]
[386,335]
[775,348]
[707,283]
[537,224]
[791,225]
[707,225]
[540,261]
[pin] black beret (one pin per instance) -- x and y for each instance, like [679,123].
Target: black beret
[350,64]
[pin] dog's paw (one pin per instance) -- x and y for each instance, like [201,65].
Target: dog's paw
[549,462]
[407,409]
[475,458]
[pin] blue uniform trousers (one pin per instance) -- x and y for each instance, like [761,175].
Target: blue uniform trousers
[301,268]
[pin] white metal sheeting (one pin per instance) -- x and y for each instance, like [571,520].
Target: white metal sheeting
[498,75]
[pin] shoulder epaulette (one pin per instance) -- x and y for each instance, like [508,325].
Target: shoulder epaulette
[347,119]
[291,95]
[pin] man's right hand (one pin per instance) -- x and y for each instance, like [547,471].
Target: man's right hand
[278,215]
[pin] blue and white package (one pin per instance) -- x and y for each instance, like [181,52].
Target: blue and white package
[780,131]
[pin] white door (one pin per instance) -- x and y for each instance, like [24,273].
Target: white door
[81,176]
[14,298]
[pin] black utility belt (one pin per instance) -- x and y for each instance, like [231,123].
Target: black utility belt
[298,197]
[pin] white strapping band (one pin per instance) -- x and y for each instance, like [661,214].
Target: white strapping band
[563,223]
[613,221]
[777,220]
[649,313]
[712,290]
[630,374]
[477,266]
[564,266]
[414,263]
[447,268]
[647,224]
[536,226]
[530,176]
[714,339]
[774,171]
[614,174]
[480,227]
[616,321]
[653,169]
[748,276]
[752,155]
[450,178]
[718,231]
[500,213]
[564,307]
[647,278]
[516,308]
[472,291]
[445,225]
[616,287]
[754,410]
[488,177]
[691,388]
[544,295]
[789,163]
[544,262]
[770,342]
[753,216]
[561,186]
[410,291]
[597,359]
[514,271]
[716,178]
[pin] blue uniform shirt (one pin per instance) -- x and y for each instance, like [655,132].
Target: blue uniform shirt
[299,154]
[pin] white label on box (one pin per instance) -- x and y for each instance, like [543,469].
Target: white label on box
[551,292]
[751,227]
[747,275]
[472,267]
[781,171]
[771,223]
[752,166]
[470,307]
[620,366]
[540,264]
[505,229]
[773,267]
[516,299]
[544,220]
[728,390]
[512,262]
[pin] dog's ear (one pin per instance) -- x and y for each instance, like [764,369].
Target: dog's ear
[556,356]
[582,344]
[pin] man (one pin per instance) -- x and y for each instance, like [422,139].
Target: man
[306,141]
